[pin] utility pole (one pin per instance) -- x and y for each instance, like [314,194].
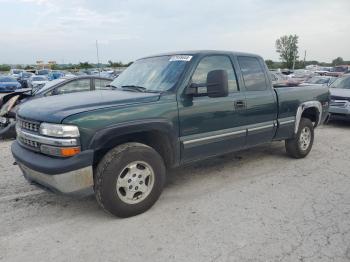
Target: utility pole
[304,58]
[98,58]
[294,60]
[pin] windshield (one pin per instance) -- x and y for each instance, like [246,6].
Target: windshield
[153,74]
[7,79]
[343,82]
[16,71]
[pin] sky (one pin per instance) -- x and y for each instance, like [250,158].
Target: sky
[66,31]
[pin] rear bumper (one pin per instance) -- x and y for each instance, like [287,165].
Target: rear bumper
[73,176]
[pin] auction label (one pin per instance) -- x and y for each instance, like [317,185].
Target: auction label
[180,58]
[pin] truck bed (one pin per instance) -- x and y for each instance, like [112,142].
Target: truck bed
[289,98]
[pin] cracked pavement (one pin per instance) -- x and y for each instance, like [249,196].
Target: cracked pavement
[255,205]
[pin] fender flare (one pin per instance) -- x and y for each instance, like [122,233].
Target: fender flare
[301,109]
[105,136]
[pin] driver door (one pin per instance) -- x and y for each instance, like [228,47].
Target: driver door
[211,126]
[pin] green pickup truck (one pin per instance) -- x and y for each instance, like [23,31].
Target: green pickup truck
[163,111]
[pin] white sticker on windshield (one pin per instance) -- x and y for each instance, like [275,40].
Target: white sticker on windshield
[180,58]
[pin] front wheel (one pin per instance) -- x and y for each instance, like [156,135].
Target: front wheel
[129,179]
[300,146]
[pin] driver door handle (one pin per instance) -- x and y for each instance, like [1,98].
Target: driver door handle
[239,104]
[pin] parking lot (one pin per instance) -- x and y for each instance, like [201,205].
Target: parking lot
[256,205]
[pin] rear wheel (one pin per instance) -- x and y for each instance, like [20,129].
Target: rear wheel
[129,179]
[300,146]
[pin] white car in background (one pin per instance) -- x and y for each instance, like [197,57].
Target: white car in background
[319,81]
[15,73]
[37,81]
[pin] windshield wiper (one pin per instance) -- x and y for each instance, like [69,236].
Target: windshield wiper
[110,85]
[135,88]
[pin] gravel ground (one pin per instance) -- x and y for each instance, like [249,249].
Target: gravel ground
[256,205]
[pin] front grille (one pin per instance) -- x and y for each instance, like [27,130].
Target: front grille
[340,98]
[28,125]
[338,103]
[31,127]
[33,145]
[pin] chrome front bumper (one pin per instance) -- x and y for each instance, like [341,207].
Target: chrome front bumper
[78,182]
[339,110]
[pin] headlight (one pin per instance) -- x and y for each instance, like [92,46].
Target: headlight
[57,130]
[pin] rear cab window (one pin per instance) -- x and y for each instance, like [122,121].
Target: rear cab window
[253,73]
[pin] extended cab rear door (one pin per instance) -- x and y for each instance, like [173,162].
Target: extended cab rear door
[211,126]
[261,103]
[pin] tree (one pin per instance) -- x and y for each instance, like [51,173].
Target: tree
[5,68]
[287,47]
[338,61]
[269,63]
[118,64]
[85,65]
[28,67]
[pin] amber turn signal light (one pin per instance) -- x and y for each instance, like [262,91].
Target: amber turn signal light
[70,151]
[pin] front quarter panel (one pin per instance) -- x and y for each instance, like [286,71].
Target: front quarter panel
[93,122]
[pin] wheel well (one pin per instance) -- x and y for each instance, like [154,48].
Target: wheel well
[155,139]
[312,114]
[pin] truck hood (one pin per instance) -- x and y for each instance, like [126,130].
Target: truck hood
[340,92]
[55,108]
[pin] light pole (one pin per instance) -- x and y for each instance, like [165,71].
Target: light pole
[98,58]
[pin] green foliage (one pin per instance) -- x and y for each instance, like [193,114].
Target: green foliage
[287,47]
[85,65]
[269,63]
[29,67]
[4,68]
[273,65]
[118,64]
[56,67]
[338,61]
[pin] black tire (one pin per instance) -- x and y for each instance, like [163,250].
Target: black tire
[293,147]
[110,168]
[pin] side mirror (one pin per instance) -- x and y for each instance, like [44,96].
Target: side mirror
[217,83]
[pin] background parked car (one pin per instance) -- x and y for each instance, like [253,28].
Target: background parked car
[339,70]
[55,75]
[319,81]
[281,80]
[301,75]
[8,84]
[37,81]
[43,72]
[24,78]
[9,103]
[15,73]
[340,98]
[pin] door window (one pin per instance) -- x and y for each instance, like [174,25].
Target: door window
[102,84]
[211,63]
[253,73]
[74,86]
